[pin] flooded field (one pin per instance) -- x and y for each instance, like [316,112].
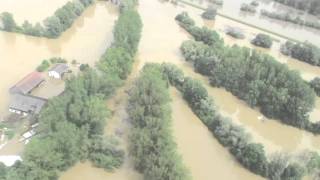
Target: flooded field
[32,10]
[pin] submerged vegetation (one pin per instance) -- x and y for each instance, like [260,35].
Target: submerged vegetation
[151,141]
[291,18]
[256,78]
[309,6]
[54,25]
[251,155]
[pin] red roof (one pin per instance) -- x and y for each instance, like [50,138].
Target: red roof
[28,83]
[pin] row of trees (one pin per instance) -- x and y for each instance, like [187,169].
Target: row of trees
[306,52]
[295,19]
[151,141]
[71,127]
[53,26]
[310,6]
[251,155]
[256,78]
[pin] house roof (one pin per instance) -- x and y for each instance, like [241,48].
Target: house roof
[60,68]
[27,103]
[28,83]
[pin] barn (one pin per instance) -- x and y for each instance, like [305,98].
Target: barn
[28,83]
[58,71]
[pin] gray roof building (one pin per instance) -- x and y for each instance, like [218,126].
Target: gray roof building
[60,68]
[27,103]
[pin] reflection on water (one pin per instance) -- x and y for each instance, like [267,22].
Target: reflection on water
[31,10]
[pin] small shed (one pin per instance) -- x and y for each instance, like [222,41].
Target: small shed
[58,71]
[28,83]
[26,104]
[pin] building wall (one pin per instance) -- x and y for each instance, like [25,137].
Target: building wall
[54,74]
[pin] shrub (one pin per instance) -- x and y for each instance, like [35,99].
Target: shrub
[209,14]
[248,8]
[43,66]
[262,40]
[84,67]
[315,85]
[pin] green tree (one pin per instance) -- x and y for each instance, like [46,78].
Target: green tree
[8,22]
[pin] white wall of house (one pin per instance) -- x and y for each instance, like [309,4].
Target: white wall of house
[54,74]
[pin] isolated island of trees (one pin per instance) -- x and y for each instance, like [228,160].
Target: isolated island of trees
[254,77]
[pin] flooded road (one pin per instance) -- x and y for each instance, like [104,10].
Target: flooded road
[32,10]
[232,9]
[20,54]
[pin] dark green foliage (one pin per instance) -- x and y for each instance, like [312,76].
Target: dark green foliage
[43,66]
[262,40]
[56,60]
[152,146]
[53,27]
[126,5]
[248,8]
[8,22]
[29,29]
[84,67]
[256,78]
[315,85]
[310,6]
[305,52]
[292,172]
[104,153]
[127,31]
[209,14]
[3,171]
[184,20]
[116,61]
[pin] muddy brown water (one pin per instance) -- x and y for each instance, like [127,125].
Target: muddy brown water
[160,42]
[33,10]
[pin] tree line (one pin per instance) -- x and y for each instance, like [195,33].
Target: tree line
[151,142]
[71,126]
[234,137]
[309,6]
[51,27]
[256,78]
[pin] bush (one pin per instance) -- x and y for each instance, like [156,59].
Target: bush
[262,40]
[57,60]
[248,8]
[209,14]
[43,66]
[305,52]
[315,85]
[84,67]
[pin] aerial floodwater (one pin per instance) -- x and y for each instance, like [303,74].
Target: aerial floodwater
[90,36]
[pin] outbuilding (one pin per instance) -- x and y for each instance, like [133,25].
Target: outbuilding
[58,71]
[26,104]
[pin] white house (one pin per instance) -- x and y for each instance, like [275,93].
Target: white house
[58,70]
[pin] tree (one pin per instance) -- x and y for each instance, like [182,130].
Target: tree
[53,27]
[315,85]
[209,14]
[262,40]
[293,172]
[8,22]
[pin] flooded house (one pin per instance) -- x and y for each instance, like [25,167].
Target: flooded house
[28,83]
[58,71]
[26,104]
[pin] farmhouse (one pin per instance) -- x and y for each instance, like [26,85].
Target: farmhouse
[58,70]
[28,83]
[26,104]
